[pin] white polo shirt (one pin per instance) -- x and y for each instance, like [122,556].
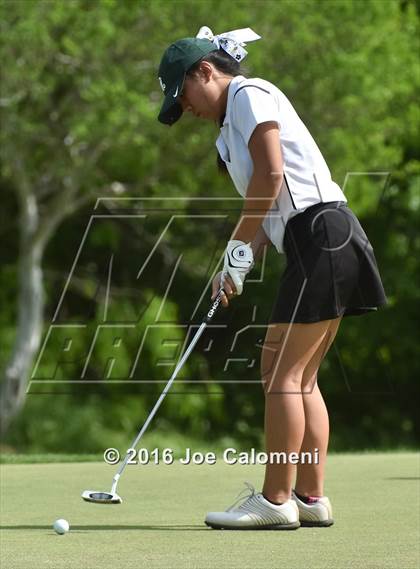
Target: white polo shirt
[307,179]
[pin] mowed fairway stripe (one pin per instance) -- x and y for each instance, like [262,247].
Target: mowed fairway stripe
[160,523]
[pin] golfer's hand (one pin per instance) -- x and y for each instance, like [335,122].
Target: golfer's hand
[229,289]
[239,260]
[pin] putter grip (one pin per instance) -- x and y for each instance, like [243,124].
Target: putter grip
[213,309]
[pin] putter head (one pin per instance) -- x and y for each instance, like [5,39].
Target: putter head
[101,497]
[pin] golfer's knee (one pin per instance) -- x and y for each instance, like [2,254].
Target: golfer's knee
[310,373]
[266,369]
[269,370]
[290,382]
[309,379]
[265,380]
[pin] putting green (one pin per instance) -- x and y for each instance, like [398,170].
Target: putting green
[160,523]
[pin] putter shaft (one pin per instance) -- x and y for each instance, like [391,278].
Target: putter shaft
[178,367]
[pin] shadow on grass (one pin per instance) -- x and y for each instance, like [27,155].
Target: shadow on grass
[113,527]
[403,478]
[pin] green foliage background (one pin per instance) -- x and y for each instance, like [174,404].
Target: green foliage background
[79,99]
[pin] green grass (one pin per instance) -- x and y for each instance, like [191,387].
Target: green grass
[45,458]
[160,523]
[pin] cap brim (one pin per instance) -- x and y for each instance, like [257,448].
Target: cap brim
[171,110]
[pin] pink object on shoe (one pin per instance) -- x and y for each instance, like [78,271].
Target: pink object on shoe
[312,499]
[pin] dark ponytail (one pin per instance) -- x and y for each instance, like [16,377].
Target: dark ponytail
[226,64]
[222,62]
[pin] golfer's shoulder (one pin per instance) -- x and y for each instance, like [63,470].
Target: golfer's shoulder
[255,93]
[254,87]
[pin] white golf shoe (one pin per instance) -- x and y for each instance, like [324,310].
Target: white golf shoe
[316,514]
[255,513]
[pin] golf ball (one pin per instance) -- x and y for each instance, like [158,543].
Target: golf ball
[61,526]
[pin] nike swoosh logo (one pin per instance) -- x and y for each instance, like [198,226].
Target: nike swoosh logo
[176,93]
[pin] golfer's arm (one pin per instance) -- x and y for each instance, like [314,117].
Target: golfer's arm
[260,240]
[266,180]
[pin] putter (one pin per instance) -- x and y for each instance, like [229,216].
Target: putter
[112,497]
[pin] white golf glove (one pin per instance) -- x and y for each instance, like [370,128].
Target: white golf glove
[239,260]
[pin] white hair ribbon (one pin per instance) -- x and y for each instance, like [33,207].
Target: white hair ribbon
[231,42]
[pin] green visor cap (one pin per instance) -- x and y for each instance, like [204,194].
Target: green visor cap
[176,61]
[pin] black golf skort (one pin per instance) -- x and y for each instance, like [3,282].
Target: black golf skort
[331,269]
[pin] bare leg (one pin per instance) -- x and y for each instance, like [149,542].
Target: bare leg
[288,350]
[310,477]
[284,430]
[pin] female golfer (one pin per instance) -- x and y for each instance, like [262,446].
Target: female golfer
[291,201]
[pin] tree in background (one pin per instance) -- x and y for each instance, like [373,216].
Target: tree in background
[64,93]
